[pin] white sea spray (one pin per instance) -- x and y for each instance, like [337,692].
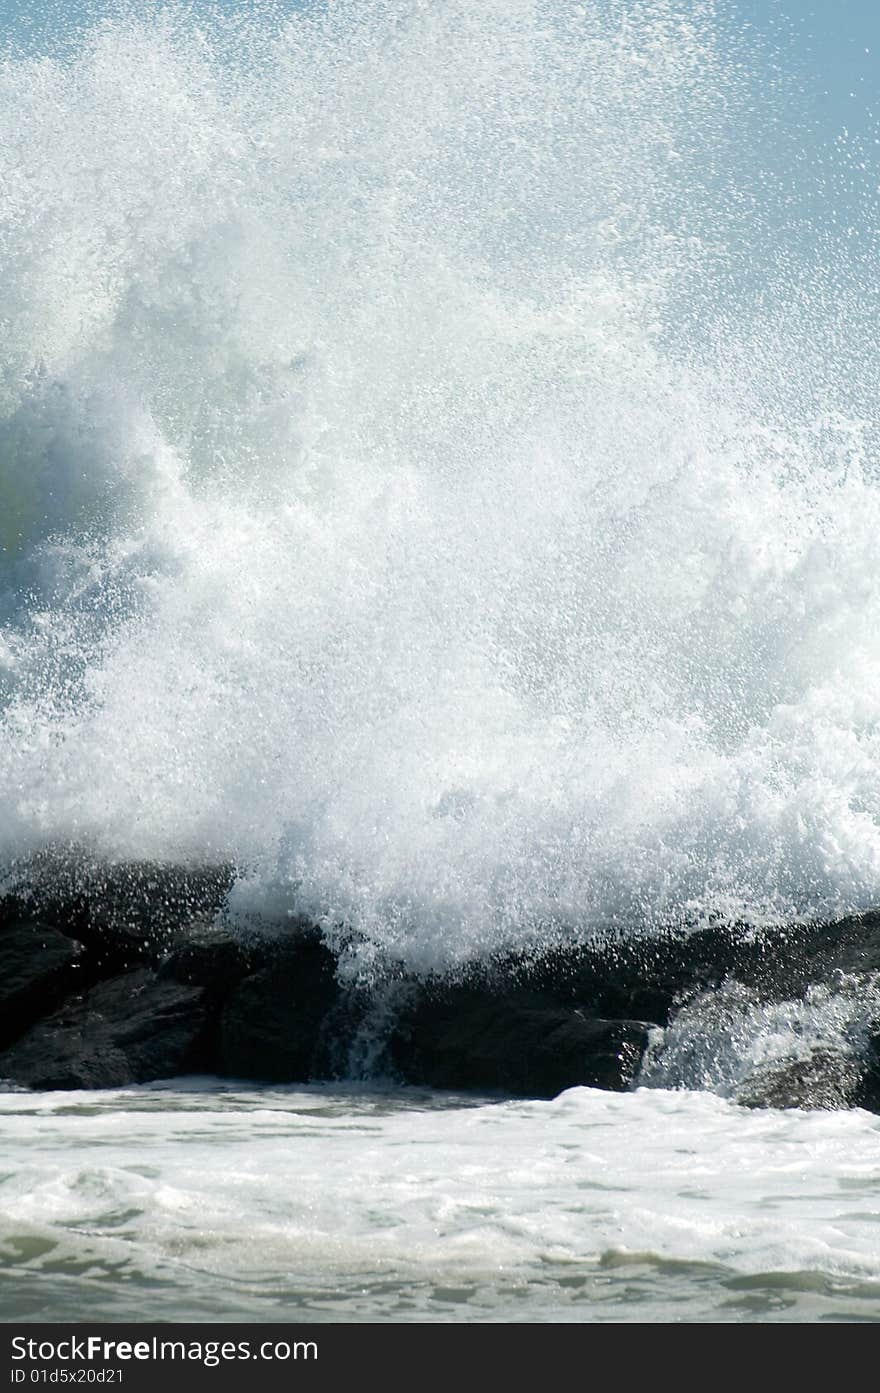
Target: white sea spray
[404,491]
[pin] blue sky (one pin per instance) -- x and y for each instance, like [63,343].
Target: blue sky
[834,48]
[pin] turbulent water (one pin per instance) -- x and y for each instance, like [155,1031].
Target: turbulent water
[434,474]
[438,474]
[222,1203]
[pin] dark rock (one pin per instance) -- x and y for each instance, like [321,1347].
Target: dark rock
[826,1078]
[867,1094]
[514,1044]
[129,1030]
[165,985]
[648,978]
[215,957]
[274,1025]
[38,968]
[218,959]
[139,913]
[851,946]
[127,915]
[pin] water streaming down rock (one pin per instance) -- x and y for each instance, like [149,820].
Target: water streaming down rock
[411,499]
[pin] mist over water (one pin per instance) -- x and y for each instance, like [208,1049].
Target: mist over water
[408,491]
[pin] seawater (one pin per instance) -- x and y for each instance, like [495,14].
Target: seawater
[438,475]
[205,1200]
[438,469]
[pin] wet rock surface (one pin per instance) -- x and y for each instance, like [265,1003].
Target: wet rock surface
[130,973]
[826,1079]
[38,969]
[128,1030]
[274,1023]
[520,1044]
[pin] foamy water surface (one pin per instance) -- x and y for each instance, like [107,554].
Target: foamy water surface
[222,1202]
[438,474]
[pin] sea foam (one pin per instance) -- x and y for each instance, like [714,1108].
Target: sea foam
[431,474]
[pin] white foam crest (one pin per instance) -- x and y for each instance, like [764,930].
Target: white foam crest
[362,522]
